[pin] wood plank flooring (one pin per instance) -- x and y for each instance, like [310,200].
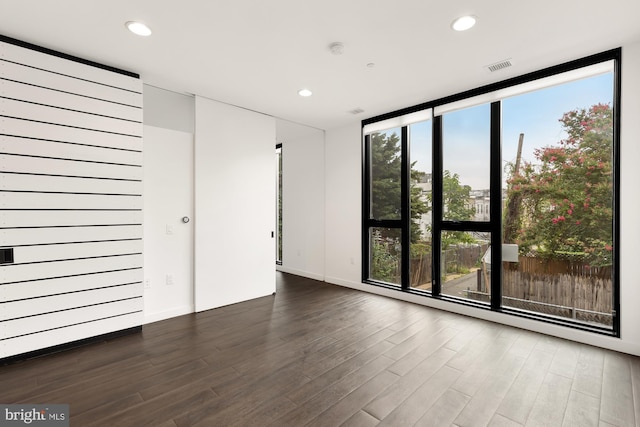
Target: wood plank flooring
[321,355]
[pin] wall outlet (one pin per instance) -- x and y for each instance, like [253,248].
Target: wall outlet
[169,279]
[147,284]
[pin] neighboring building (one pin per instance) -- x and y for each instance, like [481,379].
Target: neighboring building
[479,201]
[425,185]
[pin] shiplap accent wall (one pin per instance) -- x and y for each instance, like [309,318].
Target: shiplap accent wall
[70,200]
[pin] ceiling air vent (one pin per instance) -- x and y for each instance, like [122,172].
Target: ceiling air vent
[499,65]
[356,111]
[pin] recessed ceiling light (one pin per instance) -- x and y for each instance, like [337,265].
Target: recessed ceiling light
[464,23]
[138,28]
[305,92]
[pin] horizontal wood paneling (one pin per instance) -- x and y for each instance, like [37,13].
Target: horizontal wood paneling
[28,200]
[29,147]
[42,166]
[80,331]
[19,182]
[31,254]
[96,280]
[11,86]
[61,319]
[63,83]
[35,306]
[38,236]
[63,66]
[70,200]
[58,116]
[63,218]
[24,272]
[49,132]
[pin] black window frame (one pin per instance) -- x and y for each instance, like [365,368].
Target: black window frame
[494,225]
[279,197]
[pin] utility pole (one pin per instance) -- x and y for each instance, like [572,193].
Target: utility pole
[511,220]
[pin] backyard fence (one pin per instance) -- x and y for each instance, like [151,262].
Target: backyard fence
[550,286]
[421,270]
[563,288]
[456,260]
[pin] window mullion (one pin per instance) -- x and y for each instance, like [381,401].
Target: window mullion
[405,265]
[495,205]
[436,206]
[366,205]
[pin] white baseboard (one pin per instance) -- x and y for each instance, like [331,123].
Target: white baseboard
[301,273]
[346,283]
[163,315]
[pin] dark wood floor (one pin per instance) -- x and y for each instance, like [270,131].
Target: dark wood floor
[322,355]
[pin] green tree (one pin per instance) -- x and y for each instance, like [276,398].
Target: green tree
[386,203]
[455,208]
[456,200]
[567,197]
[386,164]
[419,205]
[386,198]
[386,183]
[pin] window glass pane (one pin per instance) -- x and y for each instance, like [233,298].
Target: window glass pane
[386,162]
[559,208]
[386,254]
[466,152]
[279,204]
[466,265]
[421,201]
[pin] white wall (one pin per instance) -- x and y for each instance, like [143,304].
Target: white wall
[168,110]
[168,196]
[303,202]
[343,207]
[234,204]
[630,202]
[168,242]
[343,250]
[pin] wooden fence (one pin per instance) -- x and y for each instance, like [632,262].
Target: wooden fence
[557,266]
[550,286]
[421,270]
[455,259]
[563,288]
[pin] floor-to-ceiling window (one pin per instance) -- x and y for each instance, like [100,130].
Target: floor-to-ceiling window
[385,207]
[278,204]
[503,197]
[397,223]
[420,204]
[557,153]
[464,177]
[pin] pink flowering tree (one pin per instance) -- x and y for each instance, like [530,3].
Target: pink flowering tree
[567,194]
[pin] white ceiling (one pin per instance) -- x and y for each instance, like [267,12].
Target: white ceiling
[258,53]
